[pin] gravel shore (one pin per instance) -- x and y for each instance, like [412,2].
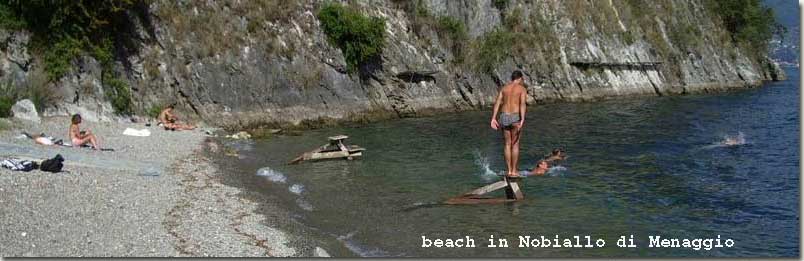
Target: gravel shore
[153,196]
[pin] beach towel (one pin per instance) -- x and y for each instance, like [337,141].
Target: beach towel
[137,133]
[64,144]
[19,165]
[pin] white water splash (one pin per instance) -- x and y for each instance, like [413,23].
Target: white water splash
[296,189]
[272,175]
[483,164]
[739,139]
[556,171]
[728,141]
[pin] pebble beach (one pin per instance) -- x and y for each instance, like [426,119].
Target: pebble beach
[152,196]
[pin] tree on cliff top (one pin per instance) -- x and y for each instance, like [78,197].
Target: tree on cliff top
[360,38]
[748,22]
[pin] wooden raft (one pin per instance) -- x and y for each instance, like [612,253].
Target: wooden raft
[333,150]
[512,193]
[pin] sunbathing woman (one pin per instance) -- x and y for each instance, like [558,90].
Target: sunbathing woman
[78,137]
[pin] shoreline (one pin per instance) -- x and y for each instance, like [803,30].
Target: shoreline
[153,196]
[245,121]
[212,219]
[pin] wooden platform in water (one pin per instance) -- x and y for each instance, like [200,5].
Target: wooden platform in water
[512,193]
[335,149]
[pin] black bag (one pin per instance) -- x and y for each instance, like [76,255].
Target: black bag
[52,165]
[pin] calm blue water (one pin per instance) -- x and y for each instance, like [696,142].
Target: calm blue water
[643,166]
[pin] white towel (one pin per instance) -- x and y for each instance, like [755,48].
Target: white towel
[138,133]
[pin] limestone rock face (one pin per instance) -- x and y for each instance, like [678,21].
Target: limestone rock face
[25,110]
[241,64]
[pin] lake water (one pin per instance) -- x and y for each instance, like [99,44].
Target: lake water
[652,166]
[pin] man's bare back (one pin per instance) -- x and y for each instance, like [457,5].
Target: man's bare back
[513,97]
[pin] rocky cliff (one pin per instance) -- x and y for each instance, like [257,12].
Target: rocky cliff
[242,64]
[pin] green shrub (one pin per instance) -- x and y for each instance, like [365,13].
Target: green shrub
[5,125]
[359,37]
[514,20]
[5,106]
[58,58]
[65,30]
[37,90]
[748,21]
[492,48]
[454,30]
[500,4]
[154,110]
[8,20]
[452,26]
[685,36]
[119,94]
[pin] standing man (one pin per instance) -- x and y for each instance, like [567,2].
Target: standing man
[511,102]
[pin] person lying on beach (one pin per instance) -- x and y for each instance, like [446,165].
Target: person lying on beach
[42,139]
[170,121]
[79,137]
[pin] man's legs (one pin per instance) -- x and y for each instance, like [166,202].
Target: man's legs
[507,153]
[516,134]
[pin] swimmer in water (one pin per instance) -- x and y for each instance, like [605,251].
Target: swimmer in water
[731,141]
[541,168]
[556,155]
[544,164]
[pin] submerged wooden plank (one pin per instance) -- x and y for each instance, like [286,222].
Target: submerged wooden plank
[488,188]
[473,200]
[513,191]
[329,155]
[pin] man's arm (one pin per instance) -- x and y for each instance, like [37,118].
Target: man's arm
[494,124]
[523,104]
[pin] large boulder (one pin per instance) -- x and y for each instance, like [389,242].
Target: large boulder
[26,110]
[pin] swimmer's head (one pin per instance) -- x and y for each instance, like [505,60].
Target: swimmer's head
[557,152]
[542,164]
